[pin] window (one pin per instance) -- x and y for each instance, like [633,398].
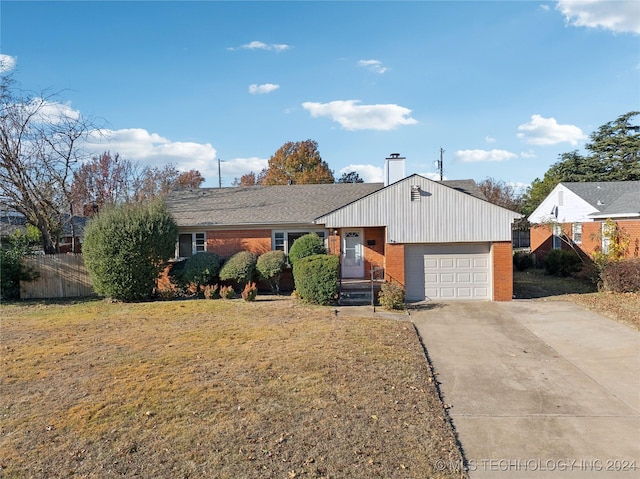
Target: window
[557,237]
[191,243]
[282,240]
[576,233]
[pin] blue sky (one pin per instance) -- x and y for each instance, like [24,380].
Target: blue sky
[503,87]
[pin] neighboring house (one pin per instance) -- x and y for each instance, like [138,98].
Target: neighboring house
[12,221]
[440,240]
[574,215]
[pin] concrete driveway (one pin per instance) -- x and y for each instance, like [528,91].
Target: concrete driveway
[537,389]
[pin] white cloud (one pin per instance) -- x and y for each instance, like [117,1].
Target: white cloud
[51,112]
[262,89]
[353,116]
[547,131]
[544,6]
[237,167]
[373,65]
[7,63]
[369,173]
[258,45]
[433,176]
[518,186]
[489,139]
[527,154]
[138,145]
[469,156]
[618,16]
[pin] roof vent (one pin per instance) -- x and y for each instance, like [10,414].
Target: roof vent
[599,203]
[415,193]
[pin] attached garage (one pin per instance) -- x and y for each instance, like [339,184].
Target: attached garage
[448,272]
[442,242]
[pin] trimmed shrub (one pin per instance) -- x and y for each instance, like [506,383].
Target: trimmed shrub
[239,268]
[201,269]
[316,278]
[307,245]
[270,266]
[562,263]
[250,291]
[621,276]
[212,291]
[522,261]
[125,249]
[227,292]
[391,295]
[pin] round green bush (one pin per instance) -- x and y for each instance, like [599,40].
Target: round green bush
[270,266]
[201,269]
[306,245]
[391,295]
[239,268]
[522,261]
[125,249]
[561,262]
[316,278]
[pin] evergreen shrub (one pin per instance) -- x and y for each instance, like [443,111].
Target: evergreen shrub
[316,278]
[270,266]
[307,245]
[125,249]
[239,268]
[562,263]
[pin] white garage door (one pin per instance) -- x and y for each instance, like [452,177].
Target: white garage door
[448,272]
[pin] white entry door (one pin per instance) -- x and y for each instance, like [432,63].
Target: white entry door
[352,257]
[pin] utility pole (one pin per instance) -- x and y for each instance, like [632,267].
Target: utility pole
[440,163]
[219,175]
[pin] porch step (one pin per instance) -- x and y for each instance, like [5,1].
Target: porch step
[355,297]
[357,292]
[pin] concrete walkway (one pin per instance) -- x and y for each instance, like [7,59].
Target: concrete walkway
[537,389]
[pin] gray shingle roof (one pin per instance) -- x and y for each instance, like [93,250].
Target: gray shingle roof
[256,205]
[609,197]
[268,205]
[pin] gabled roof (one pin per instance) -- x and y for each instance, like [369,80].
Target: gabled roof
[262,205]
[609,198]
[419,210]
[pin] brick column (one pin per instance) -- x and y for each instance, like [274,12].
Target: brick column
[502,255]
[394,263]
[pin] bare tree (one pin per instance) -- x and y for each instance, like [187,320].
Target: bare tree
[500,193]
[40,144]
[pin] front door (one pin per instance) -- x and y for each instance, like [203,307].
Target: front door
[352,257]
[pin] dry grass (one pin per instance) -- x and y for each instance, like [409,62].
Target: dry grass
[224,389]
[622,307]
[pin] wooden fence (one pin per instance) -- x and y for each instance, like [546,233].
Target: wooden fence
[61,276]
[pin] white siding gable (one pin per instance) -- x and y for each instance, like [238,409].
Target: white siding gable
[562,206]
[440,214]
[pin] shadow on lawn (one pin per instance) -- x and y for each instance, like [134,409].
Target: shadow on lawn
[535,284]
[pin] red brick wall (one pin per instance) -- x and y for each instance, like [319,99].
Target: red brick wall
[227,243]
[394,263]
[373,254]
[502,253]
[541,241]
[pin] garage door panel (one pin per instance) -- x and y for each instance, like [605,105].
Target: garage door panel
[463,262]
[448,271]
[447,263]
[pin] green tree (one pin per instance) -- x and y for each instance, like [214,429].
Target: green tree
[12,269]
[126,247]
[297,163]
[613,155]
[350,177]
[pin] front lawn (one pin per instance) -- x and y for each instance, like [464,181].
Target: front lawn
[223,389]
